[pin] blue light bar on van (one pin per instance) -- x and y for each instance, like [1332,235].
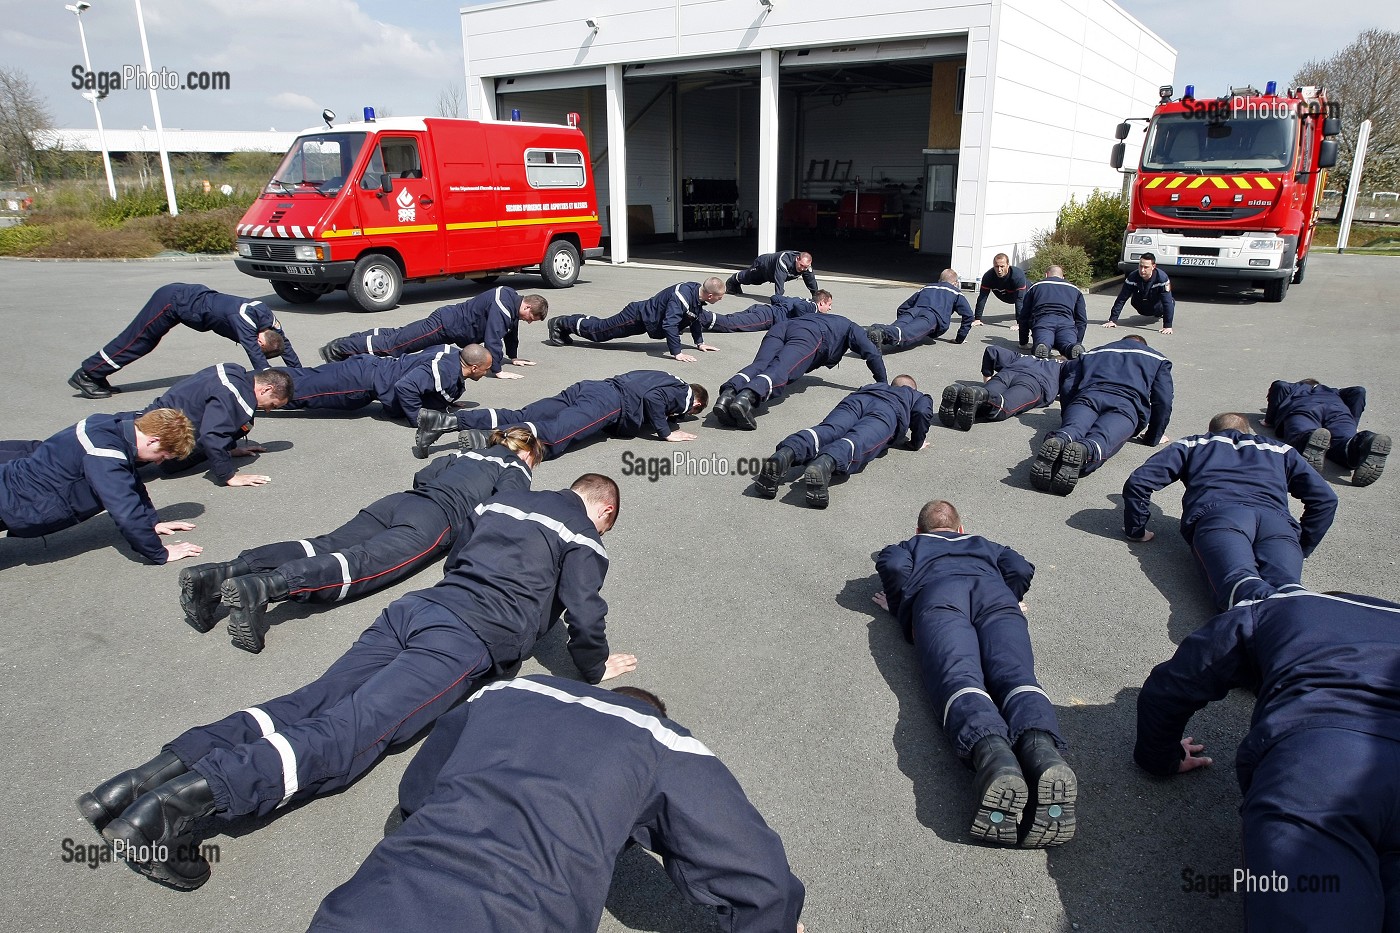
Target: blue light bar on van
[1271,88]
[369,114]
[515,115]
[1190,92]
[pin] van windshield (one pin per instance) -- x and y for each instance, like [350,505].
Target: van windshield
[1179,142]
[318,163]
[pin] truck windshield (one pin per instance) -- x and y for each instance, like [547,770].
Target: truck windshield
[1179,142]
[317,163]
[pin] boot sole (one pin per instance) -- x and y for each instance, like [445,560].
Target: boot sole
[817,495]
[766,486]
[1042,351]
[1066,474]
[1316,448]
[243,632]
[1373,463]
[948,406]
[998,819]
[119,830]
[189,603]
[1052,822]
[1045,459]
[969,400]
[743,421]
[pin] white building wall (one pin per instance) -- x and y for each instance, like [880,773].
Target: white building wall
[1067,72]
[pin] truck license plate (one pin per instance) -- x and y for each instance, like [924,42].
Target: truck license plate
[307,270]
[1195,260]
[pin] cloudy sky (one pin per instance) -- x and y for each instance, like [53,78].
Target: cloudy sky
[287,59]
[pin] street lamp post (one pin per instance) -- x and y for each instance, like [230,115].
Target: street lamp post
[155,108]
[77,10]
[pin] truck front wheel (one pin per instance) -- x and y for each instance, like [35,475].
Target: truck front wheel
[560,265]
[1300,270]
[1275,289]
[376,283]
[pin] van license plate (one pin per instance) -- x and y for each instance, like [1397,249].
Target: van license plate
[1195,260]
[308,270]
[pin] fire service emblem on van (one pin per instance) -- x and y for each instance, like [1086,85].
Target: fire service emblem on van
[407,211]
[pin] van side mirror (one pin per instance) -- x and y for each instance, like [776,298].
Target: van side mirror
[1331,126]
[1116,159]
[1121,131]
[386,183]
[1327,153]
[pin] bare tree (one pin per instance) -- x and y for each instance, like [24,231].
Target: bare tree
[451,101]
[1365,78]
[23,116]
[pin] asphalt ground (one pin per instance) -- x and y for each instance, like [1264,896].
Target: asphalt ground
[752,618]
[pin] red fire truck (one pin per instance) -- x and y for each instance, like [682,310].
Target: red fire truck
[367,206]
[1229,188]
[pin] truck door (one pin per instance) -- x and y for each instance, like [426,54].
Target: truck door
[407,216]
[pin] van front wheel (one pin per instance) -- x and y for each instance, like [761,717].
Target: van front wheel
[560,265]
[376,283]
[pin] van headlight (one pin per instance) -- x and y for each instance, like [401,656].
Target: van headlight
[245,250]
[311,252]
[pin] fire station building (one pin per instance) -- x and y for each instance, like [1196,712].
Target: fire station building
[959,127]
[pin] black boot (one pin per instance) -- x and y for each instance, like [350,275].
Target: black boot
[721,409]
[1049,819]
[817,476]
[774,469]
[742,408]
[1314,448]
[107,801]
[1371,451]
[473,439]
[155,833]
[333,352]
[948,405]
[558,332]
[1042,351]
[732,285]
[1000,789]
[1068,469]
[199,591]
[87,387]
[970,398]
[432,424]
[247,598]
[877,336]
[1043,467]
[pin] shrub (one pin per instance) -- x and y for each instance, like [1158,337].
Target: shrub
[207,232]
[81,239]
[137,202]
[21,239]
[1098,226]
[1072,259]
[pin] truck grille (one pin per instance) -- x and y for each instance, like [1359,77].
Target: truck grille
[283,251]
[1220,213]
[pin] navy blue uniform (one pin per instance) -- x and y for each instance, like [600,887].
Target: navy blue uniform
[625,406]
[777,268]
[956,598]
[1009,288]
[531,556]
[1235,509]
[1016,383]
[220,403]
[398,535]
[198,308]
[759,316]
[1296,409]
[662,316]
[926,314]
[491,319]
[500,796]
[1318,767]
[1056,312]
[76,474]
[1111,393]
[430,378]
[863,424]
[799,345]
[1151,296]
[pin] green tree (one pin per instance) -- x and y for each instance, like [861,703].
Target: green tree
[24,118]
